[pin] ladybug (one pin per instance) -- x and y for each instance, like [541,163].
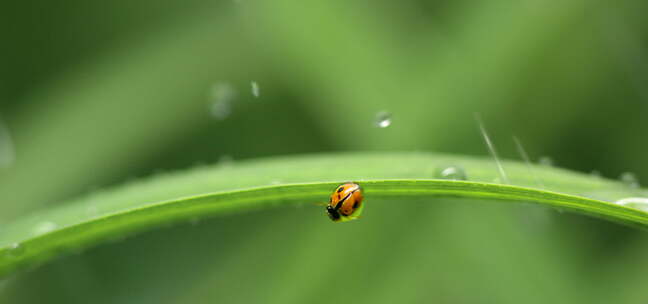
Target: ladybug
[345,203]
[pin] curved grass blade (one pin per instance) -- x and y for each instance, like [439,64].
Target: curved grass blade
[284,181]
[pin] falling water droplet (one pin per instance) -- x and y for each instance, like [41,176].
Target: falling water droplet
[15,250]
[255,89]
[639,203]
[44,227]
[7,150]
[546,161]
[383,119]
[452,173]
[222,98]
[630,179]
[527,161]
[491,149]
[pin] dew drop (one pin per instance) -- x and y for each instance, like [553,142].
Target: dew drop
[44,227]
[452,173]
[255,89]
[225,160]
[639,203]
[383,119]
[630,179]
[15,250]
[222,97]
[546,161]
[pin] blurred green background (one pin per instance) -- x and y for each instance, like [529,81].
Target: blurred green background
[93,94]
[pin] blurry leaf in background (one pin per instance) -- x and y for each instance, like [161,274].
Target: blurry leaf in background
[7,149]
[96,93]
[126,108]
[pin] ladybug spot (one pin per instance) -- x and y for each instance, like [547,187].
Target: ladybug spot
[340,189]
[356,204]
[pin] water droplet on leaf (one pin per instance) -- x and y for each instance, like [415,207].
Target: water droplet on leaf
[225,160]
[383,119]
[630,179]
[640,203]
[452,173]
[44,227]
[546,161]
[15,250]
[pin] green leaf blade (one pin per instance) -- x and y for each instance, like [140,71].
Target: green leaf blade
[282,182]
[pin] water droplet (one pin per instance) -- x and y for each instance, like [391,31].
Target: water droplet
[452,173]
[383,119]
[7,151]
[491,149]
[630,179]
[194,221]
[255,89]
[639,203]
[225,160]
[527,161]
[44,227]
[595,174]
[222,97]
[275,182]
[546,161]
[15,250]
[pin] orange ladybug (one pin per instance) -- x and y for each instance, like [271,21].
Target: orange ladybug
[345,203]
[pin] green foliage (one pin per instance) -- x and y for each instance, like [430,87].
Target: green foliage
[225,189]
[96,95]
